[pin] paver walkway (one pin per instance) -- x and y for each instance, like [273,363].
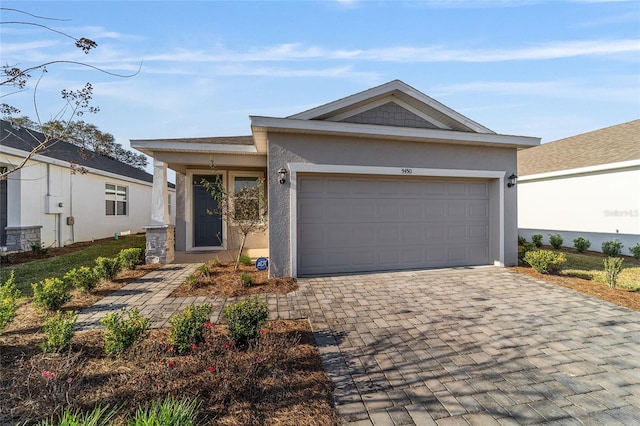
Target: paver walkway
[478,346]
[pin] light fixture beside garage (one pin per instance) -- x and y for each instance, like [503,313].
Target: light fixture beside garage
[282,175]
[513,179]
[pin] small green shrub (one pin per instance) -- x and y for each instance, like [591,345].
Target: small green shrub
[246,279]
[612,268]
[39,248]
[635,251]
[107,267]
[170,411]
[131,257]
[99,416]
[521,240]
[192,280]
[58,330]
[556,240]
[245,260]
[83,279]
[612,248]
[50,294]
[9,296]
[581,244]
[187,327]
[122,329]
[523,249]
[537,240]
[545,261]
[245,318]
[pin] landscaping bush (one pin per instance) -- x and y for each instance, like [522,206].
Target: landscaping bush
[245,260]
[122,329]
[635,251]
[556,240]
[245,319]
[58,329]
[521,240]
[131,257]
[99,416]
[107,267]
[50,294]
[545,261]
[246,279]
[83,279]
[39,248]
[581,244]
[537,240]
[612,268]
[187,327]
[170,411]
[523,249]
[9,296]
[612,248]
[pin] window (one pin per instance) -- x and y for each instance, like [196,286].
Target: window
[247,203]
[115,200]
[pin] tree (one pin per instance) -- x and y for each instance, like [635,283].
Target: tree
[75,102]
[244,209]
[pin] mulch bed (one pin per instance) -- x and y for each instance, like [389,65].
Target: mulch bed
[28,256]
[221,280]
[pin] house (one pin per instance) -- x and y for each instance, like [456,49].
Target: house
[583,186]
[50,201]
[384,179]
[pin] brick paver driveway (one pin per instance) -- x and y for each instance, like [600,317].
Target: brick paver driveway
[474,346]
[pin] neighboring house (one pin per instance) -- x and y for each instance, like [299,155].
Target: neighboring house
[49,201]
[385,179]
[583,186]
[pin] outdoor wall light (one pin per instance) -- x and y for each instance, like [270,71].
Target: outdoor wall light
[513,179]
[282,175]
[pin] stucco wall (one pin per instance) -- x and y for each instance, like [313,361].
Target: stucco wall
[287,148]
[603,202]
[82,196]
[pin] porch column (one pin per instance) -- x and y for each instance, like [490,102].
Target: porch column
[160,234]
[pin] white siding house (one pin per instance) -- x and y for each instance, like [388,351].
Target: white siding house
[583,186]
[48,201]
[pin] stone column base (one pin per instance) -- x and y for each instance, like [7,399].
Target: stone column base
[20,238]
[160,244]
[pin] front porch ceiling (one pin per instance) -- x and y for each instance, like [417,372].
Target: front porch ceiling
[180,161]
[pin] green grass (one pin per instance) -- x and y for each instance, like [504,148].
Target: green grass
[592,268]
[56,267]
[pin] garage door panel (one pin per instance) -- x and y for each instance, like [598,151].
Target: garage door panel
[353,224]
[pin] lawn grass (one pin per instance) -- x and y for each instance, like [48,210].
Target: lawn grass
[592,268]
[37,270]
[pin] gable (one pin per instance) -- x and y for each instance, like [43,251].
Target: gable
[390,114]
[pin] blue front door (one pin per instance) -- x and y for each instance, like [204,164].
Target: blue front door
[207,222]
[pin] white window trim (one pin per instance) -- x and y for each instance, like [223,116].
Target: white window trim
[233,174]
[126,194]
[296,168]
[189,239]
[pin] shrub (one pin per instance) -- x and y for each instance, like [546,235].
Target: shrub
[246,279]
[39,248]
[245,318]
[50,294]
[537,240]
[635,251]
[99,416]
[545,261]
[9,296]
[612,248]
[245,260]
[581,244]
[83,278]
[58,329]
[524,249]
[187,327]
[122,329]
[556,240]
[107,267]
[612,268]
[521,240]
[131,257]
[170,411]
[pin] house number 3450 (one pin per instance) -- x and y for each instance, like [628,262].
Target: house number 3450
[406,171]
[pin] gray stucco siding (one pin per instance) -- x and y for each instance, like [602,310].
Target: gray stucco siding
[285,149]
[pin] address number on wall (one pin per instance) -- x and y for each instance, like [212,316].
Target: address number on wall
[406,171]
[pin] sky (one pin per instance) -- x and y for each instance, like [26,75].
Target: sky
[543,68]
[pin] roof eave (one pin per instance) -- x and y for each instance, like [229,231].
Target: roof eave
[149,146]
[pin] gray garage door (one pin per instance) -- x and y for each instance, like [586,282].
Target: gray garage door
[357,224]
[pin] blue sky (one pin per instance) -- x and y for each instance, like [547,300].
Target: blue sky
[550,69]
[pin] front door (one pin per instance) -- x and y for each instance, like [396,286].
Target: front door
[207,222]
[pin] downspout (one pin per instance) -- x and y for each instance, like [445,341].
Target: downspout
[73,236]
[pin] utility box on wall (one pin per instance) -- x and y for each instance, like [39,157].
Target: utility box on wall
[53,204]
